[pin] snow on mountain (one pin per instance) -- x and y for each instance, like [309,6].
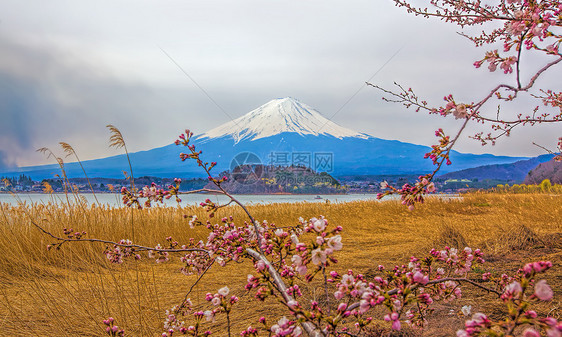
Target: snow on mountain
[277,116]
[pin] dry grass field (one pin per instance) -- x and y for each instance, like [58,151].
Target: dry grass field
[68,292]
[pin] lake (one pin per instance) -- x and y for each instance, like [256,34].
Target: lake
[113,199]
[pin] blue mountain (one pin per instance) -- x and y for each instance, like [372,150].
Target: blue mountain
[281,132]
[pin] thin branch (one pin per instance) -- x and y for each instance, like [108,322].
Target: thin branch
[222,190]
[139,247]
[538,73]
[184,302]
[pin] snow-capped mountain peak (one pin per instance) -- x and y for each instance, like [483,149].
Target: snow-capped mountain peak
[277,116]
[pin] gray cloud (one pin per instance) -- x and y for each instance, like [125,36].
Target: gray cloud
[4,164]
[48,96]
[16,96]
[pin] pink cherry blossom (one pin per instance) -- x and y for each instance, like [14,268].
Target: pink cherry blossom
[297,260]
[335,242]
[543,291]
[302,269]
[318,224]
[419,277]
[431,187]
[513,289]
[292,304]
[339,294]
[224,291]
[530,332]
[460,111]
[462,333]
[318,256]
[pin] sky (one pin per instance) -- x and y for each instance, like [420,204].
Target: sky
[69,68]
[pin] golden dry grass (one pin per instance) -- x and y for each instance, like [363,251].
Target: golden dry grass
[68,292]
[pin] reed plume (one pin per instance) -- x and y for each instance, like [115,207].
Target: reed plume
[66,183]
[116,140]
[69,150]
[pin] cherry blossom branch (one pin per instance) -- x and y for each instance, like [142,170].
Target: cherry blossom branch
[526,25]
[308,326]
[540,72]
[437,281]
[462,279]
[77,237]
[201,190]
[481,14]
[184,140]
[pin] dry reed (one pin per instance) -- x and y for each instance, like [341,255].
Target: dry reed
[68,292]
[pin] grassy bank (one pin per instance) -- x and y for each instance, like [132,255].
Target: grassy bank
[68,292]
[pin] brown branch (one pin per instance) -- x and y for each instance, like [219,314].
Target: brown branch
[462,279]
[201,190]
[223,191]
[184,302]
[544,148]
[542,70]
[141,248]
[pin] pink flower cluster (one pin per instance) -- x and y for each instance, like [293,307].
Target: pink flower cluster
[152,193]
[459,261]
[249,332]
[517,25]
[129,198]
[172,324]
[439,151]
[410,194]
[514,294]
[285,327]
[158,254]
[459,110]
[71,234]
[221,299]
[494,59]
[553,99]
[221,304]
[112,329]
[121,251]
[355,296]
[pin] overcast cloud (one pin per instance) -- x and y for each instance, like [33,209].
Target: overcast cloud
[69,68]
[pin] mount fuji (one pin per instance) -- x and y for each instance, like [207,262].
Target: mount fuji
[280,116]
[283,131]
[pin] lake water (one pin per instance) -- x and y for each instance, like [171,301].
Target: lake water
[112,199]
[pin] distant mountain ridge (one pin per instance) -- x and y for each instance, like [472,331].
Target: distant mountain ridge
[551,170]
[281,132]
[515,172]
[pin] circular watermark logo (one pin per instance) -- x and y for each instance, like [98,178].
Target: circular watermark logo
[246,168]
